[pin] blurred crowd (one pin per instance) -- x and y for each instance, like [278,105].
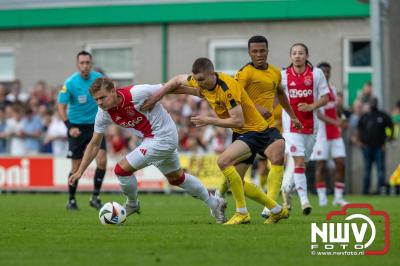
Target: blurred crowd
[30,124]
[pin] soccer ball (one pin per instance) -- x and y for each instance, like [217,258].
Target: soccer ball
[112,213]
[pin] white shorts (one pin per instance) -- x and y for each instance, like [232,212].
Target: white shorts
[326,149]
[299,145]
[163,154]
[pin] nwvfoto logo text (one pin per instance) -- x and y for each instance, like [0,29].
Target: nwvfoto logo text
[353,232]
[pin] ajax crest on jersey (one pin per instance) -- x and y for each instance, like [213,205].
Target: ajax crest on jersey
[112,213]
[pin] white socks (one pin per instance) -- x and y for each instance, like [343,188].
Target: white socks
[339,188]
[128,186]
[300,182]
[276,209]
[321,190]
[195,188]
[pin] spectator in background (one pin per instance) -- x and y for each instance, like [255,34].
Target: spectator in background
[396,119]
[46,120]
[15,94]
[40,92]
[3,135]
[56,135]
[3,96]
[372,136]
[32,131]
[353,122]
[14,130]
[365,94]
[117,143]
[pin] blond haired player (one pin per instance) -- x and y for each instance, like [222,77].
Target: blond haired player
[251,134]
[158,148]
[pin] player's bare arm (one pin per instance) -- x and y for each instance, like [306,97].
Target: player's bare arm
[304,107]
[263,111]
[168,88]
[328,120]
[89,155]
[284,101]
[62,111]
[236,119]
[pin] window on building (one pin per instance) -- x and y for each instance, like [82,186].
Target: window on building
[115,60]
[228,55]
[360,54]
[7,65]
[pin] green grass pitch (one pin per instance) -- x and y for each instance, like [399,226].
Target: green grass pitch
[35,229]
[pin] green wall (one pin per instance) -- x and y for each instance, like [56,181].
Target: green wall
[181,13]
[356,82]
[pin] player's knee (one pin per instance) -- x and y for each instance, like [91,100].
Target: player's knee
[277,158]
[223,162]
[276,152]
[176,179]
[119,171]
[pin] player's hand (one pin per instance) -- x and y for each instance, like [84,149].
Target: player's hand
[342,124]
[73,178]
[74,132]
[199,120]
[266,114]
[296,123]
[303,107]
[148,105]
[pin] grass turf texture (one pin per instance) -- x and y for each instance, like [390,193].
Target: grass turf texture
[35,229]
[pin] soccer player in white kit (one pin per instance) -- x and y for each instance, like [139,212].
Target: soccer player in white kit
[158,148]
[329,144]
[307,90]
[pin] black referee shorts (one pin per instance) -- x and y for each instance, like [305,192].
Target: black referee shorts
[257,141]
[77,146]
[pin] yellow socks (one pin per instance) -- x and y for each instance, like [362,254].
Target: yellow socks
[263,180]
[274,181]
[223,188]
[236,184]
[255,193]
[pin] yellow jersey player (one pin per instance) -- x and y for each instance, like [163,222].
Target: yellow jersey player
[261,81]
[235,110]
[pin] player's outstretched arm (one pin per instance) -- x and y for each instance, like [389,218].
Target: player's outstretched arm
[183,89]
[236,119]
[89,155]
[284,101]
[168,88]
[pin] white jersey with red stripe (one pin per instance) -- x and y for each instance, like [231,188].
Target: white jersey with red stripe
[328,131]
[156,123]
[306,87]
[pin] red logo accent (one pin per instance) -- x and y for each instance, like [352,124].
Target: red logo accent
[293,148]
[385,215]
[143,151]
